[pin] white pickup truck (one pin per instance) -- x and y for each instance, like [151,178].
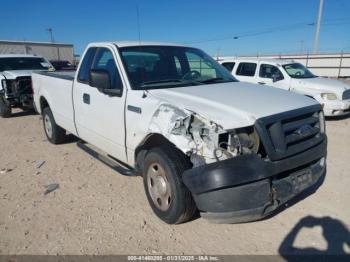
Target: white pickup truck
[15,81]
[334,95]
[200,139]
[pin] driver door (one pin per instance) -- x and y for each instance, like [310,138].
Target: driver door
[100,117]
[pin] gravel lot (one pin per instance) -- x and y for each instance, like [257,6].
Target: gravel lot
[98,211]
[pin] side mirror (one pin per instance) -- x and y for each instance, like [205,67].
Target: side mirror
[100,79]
[275,78]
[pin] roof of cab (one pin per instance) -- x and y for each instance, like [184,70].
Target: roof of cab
[137,43]
[258,59]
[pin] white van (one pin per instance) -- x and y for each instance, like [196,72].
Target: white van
[334,95]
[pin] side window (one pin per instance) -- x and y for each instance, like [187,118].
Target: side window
[246,69]
[104,60]
[270,71]
[229,66]
[83,75]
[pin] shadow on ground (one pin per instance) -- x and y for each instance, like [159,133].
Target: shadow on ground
[334,232]
[23,113]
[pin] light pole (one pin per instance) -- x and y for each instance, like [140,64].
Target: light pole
[50,30]
[318,27]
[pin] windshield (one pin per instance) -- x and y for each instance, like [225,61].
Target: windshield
[297,70]
[23,63]
[150,67]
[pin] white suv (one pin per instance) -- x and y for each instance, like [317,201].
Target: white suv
[334,95]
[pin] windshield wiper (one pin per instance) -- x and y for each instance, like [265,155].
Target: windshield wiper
[212,80]
[144,84]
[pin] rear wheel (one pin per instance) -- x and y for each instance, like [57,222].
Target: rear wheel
[169,198]
[54,133]
[5,108]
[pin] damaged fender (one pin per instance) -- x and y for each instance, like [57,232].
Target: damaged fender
[192,133]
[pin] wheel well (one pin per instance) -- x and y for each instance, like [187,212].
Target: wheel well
[152,141]
[43,103]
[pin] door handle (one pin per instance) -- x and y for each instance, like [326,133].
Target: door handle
[261,83]
[86,98]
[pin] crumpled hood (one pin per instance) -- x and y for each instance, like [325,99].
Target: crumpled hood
[323,85]
[13,74]
[234,104]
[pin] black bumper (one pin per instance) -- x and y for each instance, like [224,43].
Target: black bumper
[247,188]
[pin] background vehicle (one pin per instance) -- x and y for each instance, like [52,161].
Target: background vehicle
[199,138]
[63,65]
[288,75]
[15,81]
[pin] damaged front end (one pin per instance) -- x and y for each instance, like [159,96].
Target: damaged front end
[203,140]
[18,92]
[246,173]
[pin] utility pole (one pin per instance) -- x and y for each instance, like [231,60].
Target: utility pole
[318,27]
[50,30]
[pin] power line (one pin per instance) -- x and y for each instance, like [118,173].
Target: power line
[269,30]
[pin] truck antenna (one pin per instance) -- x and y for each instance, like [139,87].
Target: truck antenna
[138,23]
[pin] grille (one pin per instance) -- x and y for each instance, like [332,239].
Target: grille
[290,133]
[346,94]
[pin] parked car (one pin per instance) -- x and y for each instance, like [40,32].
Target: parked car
[15,81]
[334,95]
[199,138]
[63,65]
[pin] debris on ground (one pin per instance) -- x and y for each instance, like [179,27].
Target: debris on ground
[39,163]
[5,170]
[50,188]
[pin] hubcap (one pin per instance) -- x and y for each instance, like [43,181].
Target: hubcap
[158,186]
[48,126]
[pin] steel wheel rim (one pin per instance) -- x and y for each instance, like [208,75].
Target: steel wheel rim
[159,187]
[48,126]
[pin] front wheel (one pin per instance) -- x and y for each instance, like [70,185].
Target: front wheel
[169,198]
[54,133]
[5,108]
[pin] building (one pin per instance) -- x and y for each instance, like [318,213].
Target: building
[51,51]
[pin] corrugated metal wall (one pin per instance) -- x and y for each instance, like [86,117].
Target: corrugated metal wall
[47,50]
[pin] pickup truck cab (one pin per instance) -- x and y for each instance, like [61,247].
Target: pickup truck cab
[334,95]
[200,139]
[15,81]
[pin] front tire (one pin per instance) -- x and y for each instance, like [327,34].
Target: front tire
[169,198]
[5,108]
[54,133]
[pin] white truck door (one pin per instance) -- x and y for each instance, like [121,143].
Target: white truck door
[271,75]
[99,117]
[246,72]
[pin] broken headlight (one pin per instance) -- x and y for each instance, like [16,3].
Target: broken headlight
[238,142]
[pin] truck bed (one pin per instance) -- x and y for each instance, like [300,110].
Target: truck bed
[56,87]
[66,75]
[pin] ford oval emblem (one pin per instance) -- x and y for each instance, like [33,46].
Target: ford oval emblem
[304,130]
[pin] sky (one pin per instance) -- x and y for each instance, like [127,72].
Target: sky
[224,27]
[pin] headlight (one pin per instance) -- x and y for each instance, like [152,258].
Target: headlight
[329,96]
[322,122]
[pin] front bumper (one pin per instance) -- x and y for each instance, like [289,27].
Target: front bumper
[247,188]
[336,107]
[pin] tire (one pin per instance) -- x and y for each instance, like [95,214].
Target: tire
[54,133]
[5,108]
[169,198]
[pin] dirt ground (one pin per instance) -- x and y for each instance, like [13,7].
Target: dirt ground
[98,211]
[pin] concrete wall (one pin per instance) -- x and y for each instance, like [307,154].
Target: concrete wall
[328,65]
[50,51]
